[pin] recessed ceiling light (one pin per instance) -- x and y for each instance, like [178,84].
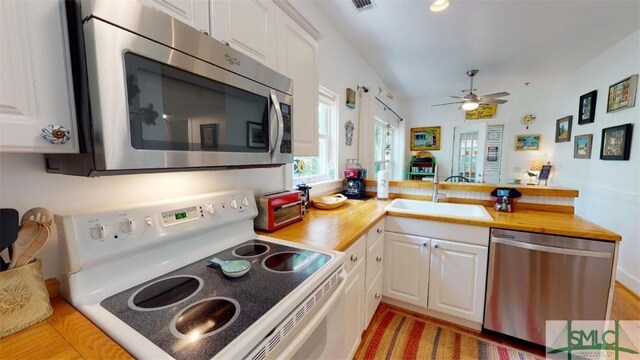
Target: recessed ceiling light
[439,5]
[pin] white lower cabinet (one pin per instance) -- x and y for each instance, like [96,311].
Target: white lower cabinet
[440,278]
[355,296]
[407,270]
[457,279]
[364,265]
[373,298]
[374,272]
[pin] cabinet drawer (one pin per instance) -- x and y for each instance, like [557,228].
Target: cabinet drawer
[355,254]
[375,259]
[372,299]
[374,233]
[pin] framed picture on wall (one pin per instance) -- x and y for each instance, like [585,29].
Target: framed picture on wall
[582,146]
[587,108]
[527,142]
[563,129]
[351,98]
[616,142]
[622,95]
[425,138]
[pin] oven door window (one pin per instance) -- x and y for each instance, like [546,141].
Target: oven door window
[172,109]
[284,214]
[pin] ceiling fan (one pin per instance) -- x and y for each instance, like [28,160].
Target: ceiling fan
[471,101]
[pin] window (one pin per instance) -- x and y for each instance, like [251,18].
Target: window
[382,146]
[312,169]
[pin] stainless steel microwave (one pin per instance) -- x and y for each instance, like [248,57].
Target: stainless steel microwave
[153,94]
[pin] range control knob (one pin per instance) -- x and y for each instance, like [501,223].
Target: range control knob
[148,220]
[129,226]
[234,203]
[100,232]
[245,201]
[210,209]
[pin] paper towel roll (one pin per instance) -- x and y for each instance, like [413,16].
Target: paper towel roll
[383,185]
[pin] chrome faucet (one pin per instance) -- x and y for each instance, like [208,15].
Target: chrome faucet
[436,195]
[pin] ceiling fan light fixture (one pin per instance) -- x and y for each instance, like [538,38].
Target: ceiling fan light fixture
[439,5]
[470,105]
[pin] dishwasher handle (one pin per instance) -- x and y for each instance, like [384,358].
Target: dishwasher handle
[550,249]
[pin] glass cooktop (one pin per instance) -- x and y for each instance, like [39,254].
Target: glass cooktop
[195,311]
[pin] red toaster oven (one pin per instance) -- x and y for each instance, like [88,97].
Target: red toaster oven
[279,209]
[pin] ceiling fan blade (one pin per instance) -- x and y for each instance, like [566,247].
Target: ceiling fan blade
[457,102]
[457,97]
[492,101]
[496,95]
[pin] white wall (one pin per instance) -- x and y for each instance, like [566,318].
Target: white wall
[342,67]
[524,99]
[24,184]
[609,190]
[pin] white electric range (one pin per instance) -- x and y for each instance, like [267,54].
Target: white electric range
[141,274]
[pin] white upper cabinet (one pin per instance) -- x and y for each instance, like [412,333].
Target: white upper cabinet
[297,58]
[36,90]
[191,12]
[248,26]
[457,279]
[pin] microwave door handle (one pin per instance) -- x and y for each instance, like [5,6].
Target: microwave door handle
[280,124]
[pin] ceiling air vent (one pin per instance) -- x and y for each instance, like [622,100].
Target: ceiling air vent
[362,4]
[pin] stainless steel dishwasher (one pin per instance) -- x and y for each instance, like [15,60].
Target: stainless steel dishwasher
[534,277]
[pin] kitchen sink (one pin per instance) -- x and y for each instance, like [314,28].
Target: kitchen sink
[421,207]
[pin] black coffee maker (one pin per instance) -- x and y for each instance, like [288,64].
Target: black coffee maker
[355,188]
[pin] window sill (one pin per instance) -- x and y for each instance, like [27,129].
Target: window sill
[325,186]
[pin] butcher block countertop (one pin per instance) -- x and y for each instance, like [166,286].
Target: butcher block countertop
[533,221]
[337,228]
[341,227]
[67,334]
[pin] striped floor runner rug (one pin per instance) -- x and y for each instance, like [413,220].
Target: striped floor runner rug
[397,335]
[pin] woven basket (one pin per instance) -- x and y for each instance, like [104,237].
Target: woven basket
[24,299]
[330,202]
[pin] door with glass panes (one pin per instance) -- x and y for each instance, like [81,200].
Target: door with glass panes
[468,151]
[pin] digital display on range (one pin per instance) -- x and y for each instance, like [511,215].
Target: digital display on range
[180,216]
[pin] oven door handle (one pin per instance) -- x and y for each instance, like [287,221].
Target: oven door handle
[288,205]
[310,327]
[279,125]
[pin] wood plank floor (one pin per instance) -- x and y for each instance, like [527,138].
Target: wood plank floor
[626,306]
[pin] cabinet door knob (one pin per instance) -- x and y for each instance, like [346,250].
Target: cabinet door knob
[379,231]
[378,259]
[435,246]
[55,134]
[377,296]
[354,258]
[424,244]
